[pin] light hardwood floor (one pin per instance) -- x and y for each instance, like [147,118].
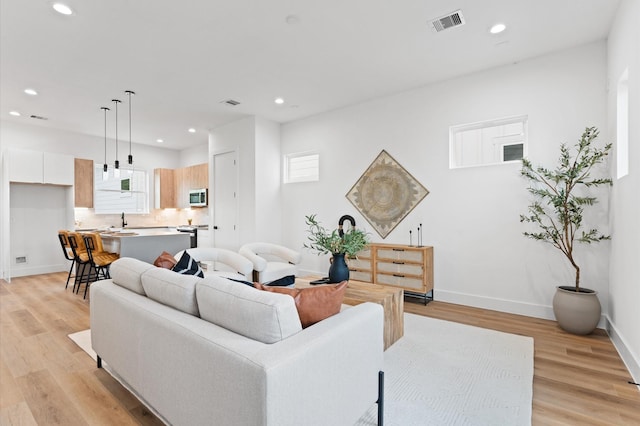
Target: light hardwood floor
[45,379]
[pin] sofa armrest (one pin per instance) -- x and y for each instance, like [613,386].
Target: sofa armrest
[328,371]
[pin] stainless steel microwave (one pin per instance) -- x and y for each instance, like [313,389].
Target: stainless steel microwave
[198,197]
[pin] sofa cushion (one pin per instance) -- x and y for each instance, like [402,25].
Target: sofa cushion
[172,289]
[165,260]
[313,304]
[187,265]
[126,272]
[259,315]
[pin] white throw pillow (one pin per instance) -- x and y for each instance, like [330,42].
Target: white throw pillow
[259,315]
[126,272]
[172,289]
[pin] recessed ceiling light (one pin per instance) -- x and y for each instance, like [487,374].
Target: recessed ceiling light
[279,101]
[498,28]
[159,140]
[15,113]
[31,92]
[192,130]
[62,8]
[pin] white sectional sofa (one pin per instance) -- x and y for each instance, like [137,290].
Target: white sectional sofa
[217,352]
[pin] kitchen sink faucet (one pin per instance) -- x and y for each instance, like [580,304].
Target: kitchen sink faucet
[123,222]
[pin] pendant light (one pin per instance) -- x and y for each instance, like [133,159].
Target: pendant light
[105,167]
[129,93]
[116,171]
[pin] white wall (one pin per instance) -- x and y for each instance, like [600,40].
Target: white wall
[257,144]
[471,215]
[623,52]
[37,213]
[195,155]
[268,182]
[238,136]
[31,137]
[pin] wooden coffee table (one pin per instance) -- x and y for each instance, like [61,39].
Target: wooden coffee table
[391,299]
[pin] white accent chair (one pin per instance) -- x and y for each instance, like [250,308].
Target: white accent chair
[270,261]
[221,262]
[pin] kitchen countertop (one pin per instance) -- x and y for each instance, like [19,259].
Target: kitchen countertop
[144,244]
[139,232]
[137,228]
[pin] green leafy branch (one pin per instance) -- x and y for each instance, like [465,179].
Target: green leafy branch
[556,210]
[330,242]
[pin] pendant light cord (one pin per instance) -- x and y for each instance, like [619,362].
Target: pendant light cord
[129,93]
[117,163]
[105,109]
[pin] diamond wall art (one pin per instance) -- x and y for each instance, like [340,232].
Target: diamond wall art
[386,193]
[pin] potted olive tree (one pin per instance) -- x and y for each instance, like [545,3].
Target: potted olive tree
[324,242]
[560,197]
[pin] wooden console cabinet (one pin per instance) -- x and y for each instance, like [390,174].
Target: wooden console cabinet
[406,267]
[83,182]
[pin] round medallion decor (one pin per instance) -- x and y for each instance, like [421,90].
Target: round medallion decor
[386,193]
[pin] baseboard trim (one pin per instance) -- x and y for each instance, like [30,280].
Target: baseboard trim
[495,304]
[631,360]
[38,270]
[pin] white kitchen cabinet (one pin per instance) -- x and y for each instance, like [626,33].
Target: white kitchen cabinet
[58,169]
[40,167]
[204,238]
[26,166]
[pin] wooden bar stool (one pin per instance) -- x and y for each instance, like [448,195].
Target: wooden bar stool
[99,259]
[84,271]
[68,253]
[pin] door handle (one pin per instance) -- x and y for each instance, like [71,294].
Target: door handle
[215,227]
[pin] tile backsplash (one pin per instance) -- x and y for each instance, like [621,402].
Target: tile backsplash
[87,219]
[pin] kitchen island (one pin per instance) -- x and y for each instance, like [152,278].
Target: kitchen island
[144,244]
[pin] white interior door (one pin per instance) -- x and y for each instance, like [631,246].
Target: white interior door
[225,201]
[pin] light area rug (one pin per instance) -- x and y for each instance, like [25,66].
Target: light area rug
[444,373]
[83,339]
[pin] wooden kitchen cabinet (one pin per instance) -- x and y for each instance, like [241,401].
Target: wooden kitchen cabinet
[83,183]
[198,176]
[406,267]
[188,178]
[172,185]
[164,188]
[182,188]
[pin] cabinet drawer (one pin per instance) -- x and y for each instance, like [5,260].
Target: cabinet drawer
[413,284]
[400,254]
[364,254]
[360,276]
[399,267]
[359,263]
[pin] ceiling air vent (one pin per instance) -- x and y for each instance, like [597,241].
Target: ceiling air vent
[230,102]
[451,20]
[38,117]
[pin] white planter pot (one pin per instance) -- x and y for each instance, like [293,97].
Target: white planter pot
[577,313]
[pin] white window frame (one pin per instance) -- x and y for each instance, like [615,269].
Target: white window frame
[456,153]
[293,175]
[140,191]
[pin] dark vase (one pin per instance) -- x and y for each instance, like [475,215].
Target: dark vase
[338,271]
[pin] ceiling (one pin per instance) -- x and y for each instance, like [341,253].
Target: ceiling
[185,58]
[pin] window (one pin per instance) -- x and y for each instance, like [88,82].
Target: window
[488,142]
[128,193]
[301,167]
[622,126]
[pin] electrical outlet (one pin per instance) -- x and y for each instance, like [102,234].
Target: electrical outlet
[21,259]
